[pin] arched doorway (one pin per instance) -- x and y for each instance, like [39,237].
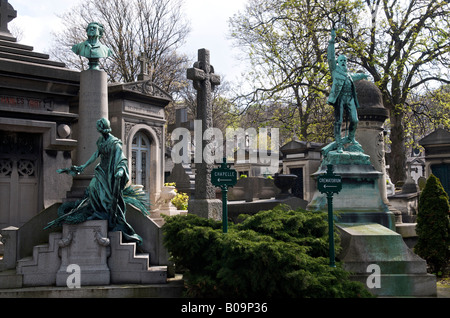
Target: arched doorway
[140,160]
[154,158]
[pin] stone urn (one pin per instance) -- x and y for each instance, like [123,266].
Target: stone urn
[284,182]
[164,204]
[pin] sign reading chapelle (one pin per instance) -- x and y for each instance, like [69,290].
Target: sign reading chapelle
[39,127]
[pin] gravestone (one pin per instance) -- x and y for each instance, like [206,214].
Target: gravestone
[181,172]
[204,202]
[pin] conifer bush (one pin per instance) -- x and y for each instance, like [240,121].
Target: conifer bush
[433,226]
[273,254]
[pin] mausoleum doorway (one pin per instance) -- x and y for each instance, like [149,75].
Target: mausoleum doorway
[143,150]
[20,177]
[140,161]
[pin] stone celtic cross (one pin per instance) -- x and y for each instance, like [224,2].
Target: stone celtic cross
[202,74]
[7,14]
[204,82]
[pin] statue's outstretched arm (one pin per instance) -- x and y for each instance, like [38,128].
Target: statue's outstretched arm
[331,54]
[90,161]
[75,170]
[359,76]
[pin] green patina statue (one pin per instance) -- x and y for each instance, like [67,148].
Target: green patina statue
[343,98]
[107,195]
[92,48]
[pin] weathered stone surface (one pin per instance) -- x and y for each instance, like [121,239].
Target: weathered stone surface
[360,200]
[128,267]
[402,273]
[40,268]
[204,80]
[85,245]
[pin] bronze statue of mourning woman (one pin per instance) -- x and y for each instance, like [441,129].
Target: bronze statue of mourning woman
[107,194]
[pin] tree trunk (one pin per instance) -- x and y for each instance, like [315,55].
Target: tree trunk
[397,157]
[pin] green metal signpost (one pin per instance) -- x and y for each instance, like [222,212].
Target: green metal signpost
[224,177]
[330,183]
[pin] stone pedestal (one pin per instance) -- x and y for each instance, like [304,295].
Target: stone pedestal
[401,272]
[85,245]
[360,200]
[207,208]
[93,105]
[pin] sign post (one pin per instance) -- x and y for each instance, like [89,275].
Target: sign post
[330,183]
[224,177]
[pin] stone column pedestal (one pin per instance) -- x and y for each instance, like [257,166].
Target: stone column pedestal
[85,245]
[93,105]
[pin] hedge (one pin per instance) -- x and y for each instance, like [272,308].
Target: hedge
[273,254]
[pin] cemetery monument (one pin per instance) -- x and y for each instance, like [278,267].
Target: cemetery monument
[204,80]
[93,104]
[104,198]
[365,223]
[92,48]
[95,235]
[343,97]
[363,201]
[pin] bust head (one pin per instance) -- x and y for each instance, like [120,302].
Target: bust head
[92,48]
[94,30]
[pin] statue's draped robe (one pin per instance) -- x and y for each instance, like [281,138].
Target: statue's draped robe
[104,197]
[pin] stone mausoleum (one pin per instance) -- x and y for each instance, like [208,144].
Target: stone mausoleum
[38,128]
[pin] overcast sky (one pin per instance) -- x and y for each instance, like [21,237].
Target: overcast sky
[208,18]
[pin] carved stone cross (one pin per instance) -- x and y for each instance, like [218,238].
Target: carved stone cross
[143,76]
[7,14]
[204,82]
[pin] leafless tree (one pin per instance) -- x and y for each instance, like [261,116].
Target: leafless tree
[155,27]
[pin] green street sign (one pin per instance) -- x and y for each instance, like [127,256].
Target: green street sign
[223,177]
[329,183]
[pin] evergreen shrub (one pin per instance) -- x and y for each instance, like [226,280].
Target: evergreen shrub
[433,226]
[273,254]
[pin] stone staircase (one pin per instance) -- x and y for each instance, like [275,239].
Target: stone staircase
[124,264]
[40,268]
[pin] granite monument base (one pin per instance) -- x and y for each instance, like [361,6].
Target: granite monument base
[379,258]
[85,250]
[206,208]
[85,245]
[360,200]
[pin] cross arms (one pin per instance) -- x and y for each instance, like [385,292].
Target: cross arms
[197,74]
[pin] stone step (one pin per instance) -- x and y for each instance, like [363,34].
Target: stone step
[37,59]
[40,268]
[173,289]
[10,279]
[16,45]
[126,266]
